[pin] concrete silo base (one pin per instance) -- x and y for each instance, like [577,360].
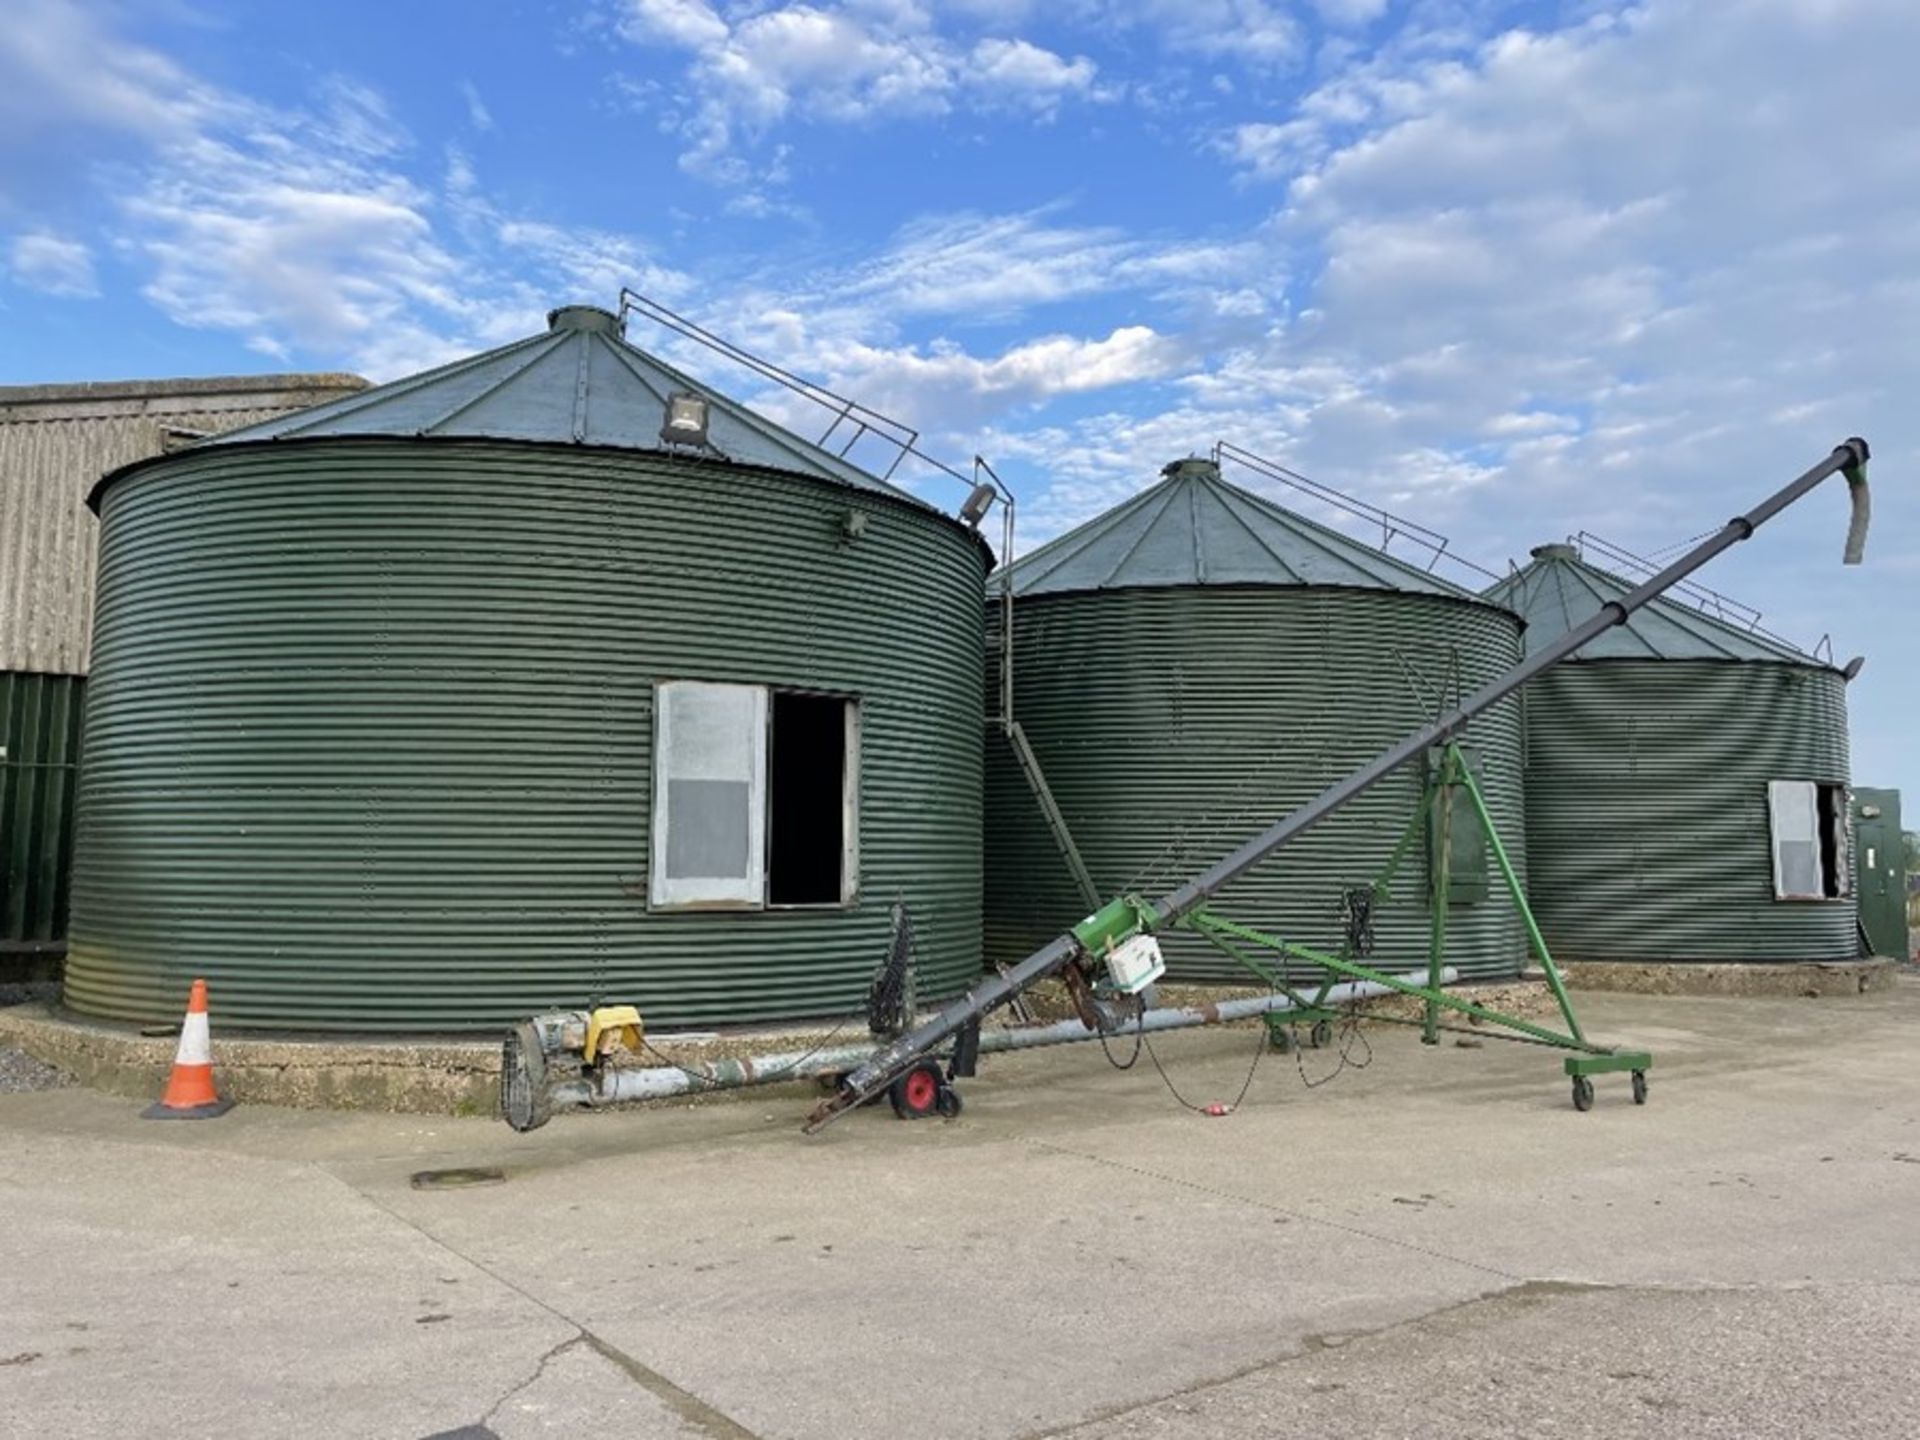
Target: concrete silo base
[1812,979]
[455,1076]
[437,1077]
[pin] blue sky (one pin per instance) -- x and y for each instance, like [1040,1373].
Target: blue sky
[1516,270]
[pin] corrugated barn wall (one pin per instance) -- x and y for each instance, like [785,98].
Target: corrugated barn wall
[56,441]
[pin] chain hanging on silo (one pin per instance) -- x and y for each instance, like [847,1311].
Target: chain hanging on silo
[1356,904]
[890,999]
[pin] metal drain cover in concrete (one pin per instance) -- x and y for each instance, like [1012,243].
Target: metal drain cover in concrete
[457,1179]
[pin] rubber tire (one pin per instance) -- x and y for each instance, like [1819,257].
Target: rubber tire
[949,1104]
[1582,1093]
[1639,1087]
[1322,1034]
[916,1094]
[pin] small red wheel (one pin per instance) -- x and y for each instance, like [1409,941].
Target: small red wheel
[916,1094]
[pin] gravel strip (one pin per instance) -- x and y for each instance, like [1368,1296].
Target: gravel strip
[19,1071]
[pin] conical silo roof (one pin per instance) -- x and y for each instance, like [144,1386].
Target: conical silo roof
[1194,528]
[1559,590]
[579,382]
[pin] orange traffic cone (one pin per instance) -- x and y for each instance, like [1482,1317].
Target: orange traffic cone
[190,1093]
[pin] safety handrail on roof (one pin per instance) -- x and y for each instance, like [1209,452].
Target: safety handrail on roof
[863,420]
[1723,608]
[1392,526]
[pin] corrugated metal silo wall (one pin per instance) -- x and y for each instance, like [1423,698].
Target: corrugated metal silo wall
[40,738]
[1647,808]
[370,731]
[1174,724]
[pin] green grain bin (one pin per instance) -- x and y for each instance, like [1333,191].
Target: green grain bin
[1200,661]
[1686,783]
[521,684]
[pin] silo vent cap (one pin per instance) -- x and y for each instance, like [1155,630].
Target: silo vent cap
[1192,467]
[584,317]
[1558,550]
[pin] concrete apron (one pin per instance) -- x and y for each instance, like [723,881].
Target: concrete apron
[446,1076]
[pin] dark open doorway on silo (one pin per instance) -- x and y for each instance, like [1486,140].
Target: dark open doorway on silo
[810,799]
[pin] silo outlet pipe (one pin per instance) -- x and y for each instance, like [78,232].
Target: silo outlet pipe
[613,1085]
[1848,458]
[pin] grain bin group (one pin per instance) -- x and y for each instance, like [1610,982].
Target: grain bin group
[555,675]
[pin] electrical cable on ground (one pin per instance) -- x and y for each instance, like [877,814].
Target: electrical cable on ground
[1349,1032]
[1141,1042]
[1139,1038]
[1216,1109]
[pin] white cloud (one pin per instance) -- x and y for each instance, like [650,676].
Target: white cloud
[53,265]
[1022,73]
[1254,33]
[1266,151]
[60,70]
[943,387]
[986,265]
[478,115]
[977,267]
[1031,371]
[847,63]
[301,230]
[337,262]
[690,23]
[1350,12]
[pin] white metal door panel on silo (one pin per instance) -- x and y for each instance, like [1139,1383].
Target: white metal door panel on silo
[709,800]
[1792,807]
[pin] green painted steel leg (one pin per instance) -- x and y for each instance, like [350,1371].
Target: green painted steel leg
[1383,887]
[1272,978]
[1208,923]
[1538,940]
[1442,884]
[1589,1059]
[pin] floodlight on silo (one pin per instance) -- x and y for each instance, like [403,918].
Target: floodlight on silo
[686,419]
[974,510]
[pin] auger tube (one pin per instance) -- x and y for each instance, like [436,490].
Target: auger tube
[871,1078]
[615,1085]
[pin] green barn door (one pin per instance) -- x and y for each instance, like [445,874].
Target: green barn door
[1880,859]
